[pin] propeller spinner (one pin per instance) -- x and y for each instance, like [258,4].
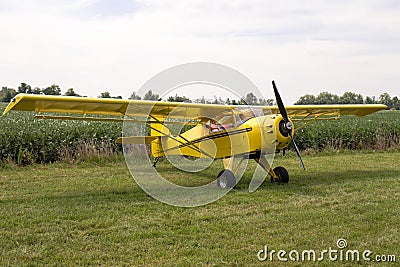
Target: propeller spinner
[288,125]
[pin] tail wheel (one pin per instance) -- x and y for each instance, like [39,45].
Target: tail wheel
[282,173]
[226,179]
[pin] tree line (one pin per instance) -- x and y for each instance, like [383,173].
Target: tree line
[249,99]
[6,94]
[326,98]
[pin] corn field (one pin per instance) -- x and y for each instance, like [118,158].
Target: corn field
[378,131]
[26,140]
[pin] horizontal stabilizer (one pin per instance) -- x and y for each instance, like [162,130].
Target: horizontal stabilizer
[138,140]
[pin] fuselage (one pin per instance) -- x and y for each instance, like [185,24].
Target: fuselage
[255,136]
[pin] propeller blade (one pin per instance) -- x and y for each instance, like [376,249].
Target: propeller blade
[285,117]
[298,152]
[279,101]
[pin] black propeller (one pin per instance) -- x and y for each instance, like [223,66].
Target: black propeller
[288,125]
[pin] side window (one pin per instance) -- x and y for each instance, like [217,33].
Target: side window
[243,115]
[227,121]
[221,123]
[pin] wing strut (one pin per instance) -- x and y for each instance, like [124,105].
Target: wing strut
[188,143]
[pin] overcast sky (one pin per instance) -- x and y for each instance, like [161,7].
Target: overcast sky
[306,46]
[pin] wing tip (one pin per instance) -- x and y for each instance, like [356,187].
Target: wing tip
[12,103]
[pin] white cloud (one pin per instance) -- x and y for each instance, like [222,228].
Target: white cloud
[307,46]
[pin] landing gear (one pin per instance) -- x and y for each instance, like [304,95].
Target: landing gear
[278,174]
[226,179]
[282,175]
[155,161]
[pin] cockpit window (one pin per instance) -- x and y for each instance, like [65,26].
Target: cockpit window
[221,123]
[243,115]
[227,121]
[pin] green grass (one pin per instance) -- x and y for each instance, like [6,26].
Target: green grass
[94,214]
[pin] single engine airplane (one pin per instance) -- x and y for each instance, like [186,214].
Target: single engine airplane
[219,132]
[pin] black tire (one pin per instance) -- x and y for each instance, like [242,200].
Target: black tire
[282,173]
[226,179]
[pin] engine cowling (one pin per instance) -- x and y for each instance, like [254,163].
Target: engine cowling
[276,132]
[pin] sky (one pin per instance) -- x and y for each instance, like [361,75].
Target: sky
[306,46]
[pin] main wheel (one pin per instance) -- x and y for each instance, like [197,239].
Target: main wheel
[282,173]
[226,179]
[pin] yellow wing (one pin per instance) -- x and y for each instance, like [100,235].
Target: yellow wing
[330,110]
[141,108]
[113,107]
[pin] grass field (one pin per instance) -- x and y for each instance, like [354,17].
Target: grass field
[94,214]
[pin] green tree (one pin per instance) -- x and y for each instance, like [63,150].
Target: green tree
[201,100]
[249,99]
[6,94]
[36,91]
[24,89]
[134,96]
[218,101]
[108,95]
[71,92]
[177,98]
[386,100]
[396,103]
[52,90]
[327,98]
[150,96]
[265,102]
[306,100]
[105,95]
[351,98]
[370,100]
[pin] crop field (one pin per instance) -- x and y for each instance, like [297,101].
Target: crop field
[26,140]
[64,214]
[376,131]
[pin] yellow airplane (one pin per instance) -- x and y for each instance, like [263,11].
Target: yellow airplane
[217,131]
